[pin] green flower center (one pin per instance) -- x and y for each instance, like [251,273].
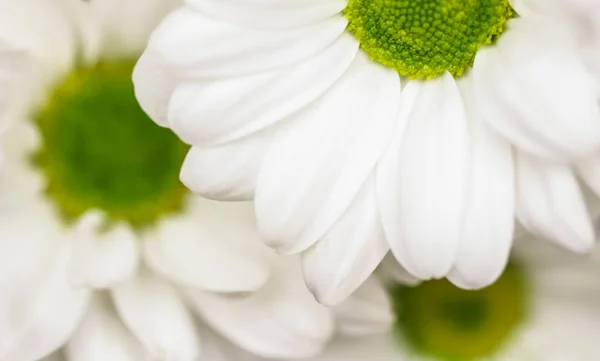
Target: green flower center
[422,39]
[442,321]
[99,150]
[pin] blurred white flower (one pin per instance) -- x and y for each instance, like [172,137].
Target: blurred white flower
[545,307]
[104,254]
[363,126]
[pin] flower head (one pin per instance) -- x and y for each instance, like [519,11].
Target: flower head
[360,126]
[105,253]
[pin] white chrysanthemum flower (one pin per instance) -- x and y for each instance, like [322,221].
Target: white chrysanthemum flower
[545,307]
[104,253]
[358,126]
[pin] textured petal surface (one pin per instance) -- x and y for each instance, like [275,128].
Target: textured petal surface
[282,320]
[208,112]
[489,223]
[192,43]
[550,204]
[156,315]
[101,336]
[215,247]
[422,178]
[319,159]
[270,13]
[349,252]
[367,311]
[101,258]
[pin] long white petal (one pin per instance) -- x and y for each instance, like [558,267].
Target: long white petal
[154,86]
[158,318]
[101,336]
[101,259]
[45,34]
[349,252]
[227,172]
[269,14]
[39,311]
[214,247]
[281,320]
[319,159]
[550,204]
[538,92]
[422,178]
[489,223]
[192,43]
[210,112]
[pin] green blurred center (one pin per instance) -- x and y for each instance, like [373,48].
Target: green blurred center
[442,321]
[100,151]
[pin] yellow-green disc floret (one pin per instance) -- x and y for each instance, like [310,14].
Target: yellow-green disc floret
[100,151]
[447,323]
[422,39]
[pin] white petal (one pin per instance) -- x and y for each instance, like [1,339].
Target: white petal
[367,311]
[44,33]
[319,159]
[101,336]
[154,86]
[20,182]
[15,81]
[227,172]
[553,7]
[192,43]
[156,315]
[489,223]
[383,347]
[212,112]
[349,252]
[107,29]
[541,97]
[281,320]
[550,204]
[269,13]
[422,179]
[216,348]
[214,247]
[102,258]
[42,313]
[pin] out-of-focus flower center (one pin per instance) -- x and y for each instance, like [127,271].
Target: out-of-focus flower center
[439,320]
[422,39]
[100,151]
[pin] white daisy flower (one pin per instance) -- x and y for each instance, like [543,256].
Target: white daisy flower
[545,307]
[362,125]
[104,253]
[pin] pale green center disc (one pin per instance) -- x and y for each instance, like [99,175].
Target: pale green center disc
[422,39]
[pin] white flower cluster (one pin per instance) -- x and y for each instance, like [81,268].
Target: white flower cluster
[247,180]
